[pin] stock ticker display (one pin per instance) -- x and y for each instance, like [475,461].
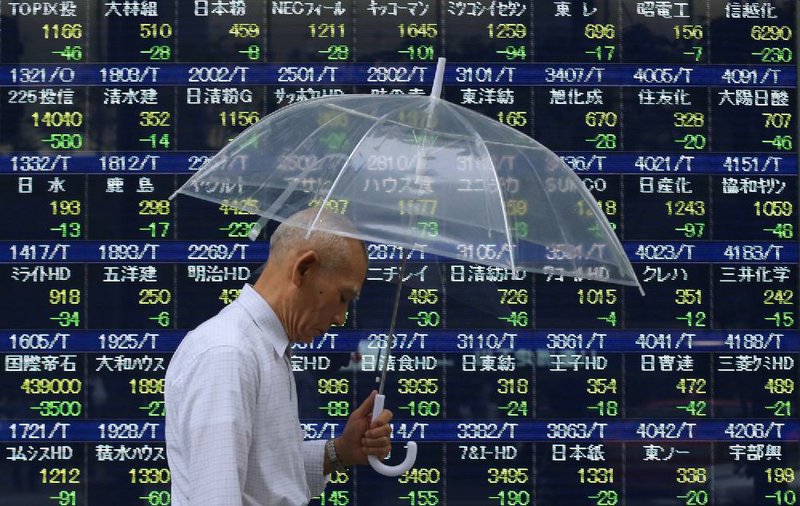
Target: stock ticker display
[679,115]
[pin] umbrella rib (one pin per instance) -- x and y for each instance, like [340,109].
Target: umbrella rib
[482,144]
[402,268]
[231,146]
[547,196]
[290,189]
[325,200]
[598,212]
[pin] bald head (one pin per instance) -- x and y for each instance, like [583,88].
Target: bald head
[309,230]
[310,278]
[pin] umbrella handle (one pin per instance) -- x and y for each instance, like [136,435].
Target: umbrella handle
[411,446]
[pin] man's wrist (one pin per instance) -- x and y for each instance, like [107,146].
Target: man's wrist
[334,454]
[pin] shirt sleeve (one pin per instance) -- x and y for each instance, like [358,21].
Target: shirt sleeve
[314,460]
[219,394]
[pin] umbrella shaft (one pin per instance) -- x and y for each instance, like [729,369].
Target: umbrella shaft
[393,321]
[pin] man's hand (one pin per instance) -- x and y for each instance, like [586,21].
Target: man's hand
[363,436]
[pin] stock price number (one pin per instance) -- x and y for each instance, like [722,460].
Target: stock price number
[333,386]
[691,386]
[507,30]
[421,475]
[238,228]
[599,31]
[608,207]
[159,475]
[47,386]
[595,296]
[689,119]
[65,498]
[422,497]
[326,30]
[157,498]
[691,475]
[419,386]
[61,140]
[688,296]
[334,497]
[605,408]
[601,119]
[154,118]
[685,207]
[65,207]
[58,408]
[239,118]
[513,296]
[424,296]
[152,207]
[245,30]
[153,296]
[60,475]
[511,386]
[780,297]
[63,31]
[417,30]
[147,386]
[774,208]
[693,318]
[775,55]
[688,32]
[228,295]
[694,498]
[596,475]
[601,386]
[426,318]
[155,30]
[779,386]
[508,475]
[605,498]
[512,498]
[422,408]
[777,119]
[336,408]
[516,207]
[61,296]
[56,119]
[513,118]
[780,475]
[771,32]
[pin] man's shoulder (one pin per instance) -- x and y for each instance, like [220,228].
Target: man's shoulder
[230,321]
[226,330]
[220,345]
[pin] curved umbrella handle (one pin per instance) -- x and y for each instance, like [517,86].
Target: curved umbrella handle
[411,446]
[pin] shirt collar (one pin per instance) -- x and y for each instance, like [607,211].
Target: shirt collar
[265,318]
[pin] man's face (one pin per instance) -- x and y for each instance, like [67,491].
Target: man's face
[326,295]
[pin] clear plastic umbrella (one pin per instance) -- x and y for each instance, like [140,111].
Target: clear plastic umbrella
[421,173]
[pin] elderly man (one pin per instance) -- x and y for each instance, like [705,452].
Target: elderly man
[232,427]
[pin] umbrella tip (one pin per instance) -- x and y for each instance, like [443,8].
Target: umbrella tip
[438,78]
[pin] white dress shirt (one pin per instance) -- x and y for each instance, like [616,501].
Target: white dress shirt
[232,427]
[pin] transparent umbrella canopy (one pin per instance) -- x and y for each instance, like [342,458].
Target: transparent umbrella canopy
[421,173]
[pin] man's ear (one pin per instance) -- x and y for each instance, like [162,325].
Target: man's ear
[303,265]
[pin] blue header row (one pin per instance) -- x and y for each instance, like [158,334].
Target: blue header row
[646,164]
[450,431]
[570,343]
[399,74]
[48,252]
